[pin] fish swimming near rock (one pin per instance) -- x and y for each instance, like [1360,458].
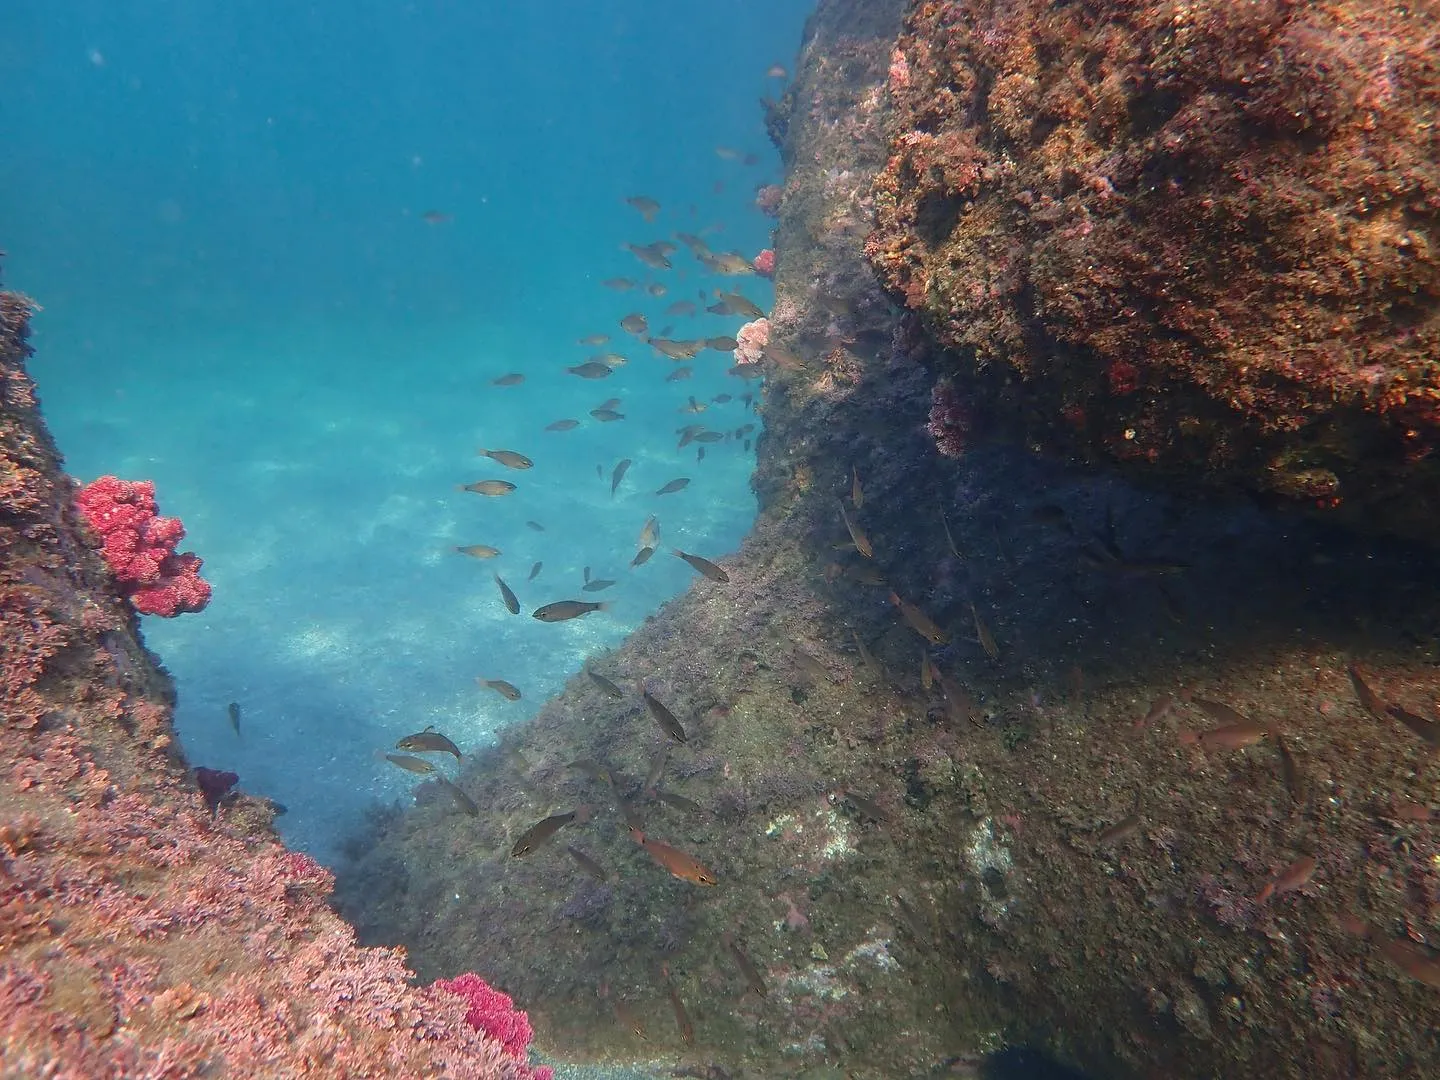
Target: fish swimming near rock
[680,864]
[426,742]
[506,690]
[411,764]
[663,716]
[562,610]
[540,834]
[704,566]
[606,686]
[674,486]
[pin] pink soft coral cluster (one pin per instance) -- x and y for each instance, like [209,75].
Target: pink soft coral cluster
[139,547]
[764,263]
[768,198]
[493,1013]
[751,341]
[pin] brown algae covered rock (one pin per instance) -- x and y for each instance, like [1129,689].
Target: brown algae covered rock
[1196,238]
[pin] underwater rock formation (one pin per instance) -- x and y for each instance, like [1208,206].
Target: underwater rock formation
[982,748]
[147,928]
[1199,240]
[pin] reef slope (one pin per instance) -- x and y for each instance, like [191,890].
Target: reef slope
[1044,841]
[144,932]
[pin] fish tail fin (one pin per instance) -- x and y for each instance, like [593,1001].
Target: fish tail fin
[637,835]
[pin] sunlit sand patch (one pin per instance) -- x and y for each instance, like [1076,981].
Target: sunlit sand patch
[320,642]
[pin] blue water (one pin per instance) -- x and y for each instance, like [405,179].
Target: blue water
[219,207]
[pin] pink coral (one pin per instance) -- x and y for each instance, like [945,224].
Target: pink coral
[139,547]
[764,263]
[768,198]
[493,1013]
[751,341]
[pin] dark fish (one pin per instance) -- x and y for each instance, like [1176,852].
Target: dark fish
[674,485]
[868,807]
[459,797]
[1159,709]
[647,206]
[748,969]
[746,371]
[657,767]
[629,1021]
[681,307]
[428,741]
[649,533]
[682,1018]
[540,833]
[721,399]
[652,255]
[609,403]
[605,685]
[506,690]
[704,566]
[535,525]
[710,436]
[512,602]
[1428,730]
[618,475]
[857,493]
[722,343]
[983,635]
[862,542]
[591,370]
[534,571]
[634,323]
[1121,830]
[1294,785]
[233,710]
[1291,878]
[513,379]
[479,551]
[663,716]
[656,289]
[509,458]
[562,425]
[675,350]
[606,415]
[619,284]
[597,585]
[680,802]
[920,622]
[410,764]
[593,340]
[586,863]
[489,487]
[680,373]
[562,610]
[435,217]
[642,556]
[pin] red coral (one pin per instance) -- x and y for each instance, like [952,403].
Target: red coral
[139,547]
[764,263]
[493,1013]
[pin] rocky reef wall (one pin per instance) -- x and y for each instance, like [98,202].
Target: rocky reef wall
[1198,240]
[148,928]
